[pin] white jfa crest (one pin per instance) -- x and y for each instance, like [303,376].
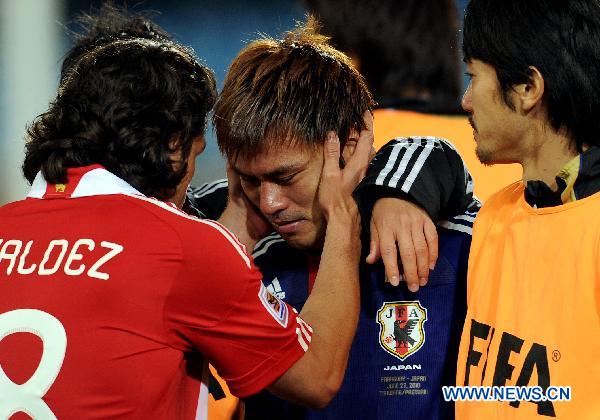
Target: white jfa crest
[401,331]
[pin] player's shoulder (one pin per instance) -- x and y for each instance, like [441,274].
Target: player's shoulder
[202,235]
[418,141]
[165,212]
[268,245]
[507,196]
[13,206]
[209,199]
[208,188]
[498,209]
[509,192]
[274,251]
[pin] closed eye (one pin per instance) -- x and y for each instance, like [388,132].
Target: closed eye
[285,180]
[249,180]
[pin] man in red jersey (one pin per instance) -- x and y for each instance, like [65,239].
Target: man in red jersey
[109,308]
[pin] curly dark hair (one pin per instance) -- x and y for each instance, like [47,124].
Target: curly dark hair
[107,24]
[129,105]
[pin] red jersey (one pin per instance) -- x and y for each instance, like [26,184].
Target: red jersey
[108,299]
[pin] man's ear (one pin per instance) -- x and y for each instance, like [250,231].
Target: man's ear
[530,94]
[175,149]
[350,144]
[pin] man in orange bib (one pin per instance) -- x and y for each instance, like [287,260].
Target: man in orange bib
[534,270]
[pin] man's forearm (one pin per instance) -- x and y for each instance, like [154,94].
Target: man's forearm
[332,311]
[336,289]
[332,308]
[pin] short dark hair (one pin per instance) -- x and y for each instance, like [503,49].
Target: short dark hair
[560,38]
[127,105]
[403,47]
[294,89]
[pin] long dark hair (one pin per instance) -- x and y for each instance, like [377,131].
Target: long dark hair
[129,105]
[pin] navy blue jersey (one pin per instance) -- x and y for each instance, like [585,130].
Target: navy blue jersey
[406,343]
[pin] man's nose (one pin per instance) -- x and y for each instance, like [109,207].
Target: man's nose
[466,102]
[272,199]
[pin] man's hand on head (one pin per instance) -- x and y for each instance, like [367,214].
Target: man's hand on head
[337,184]
[332,308]
[399,226]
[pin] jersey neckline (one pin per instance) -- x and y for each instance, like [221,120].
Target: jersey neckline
[554,209]
[84,181]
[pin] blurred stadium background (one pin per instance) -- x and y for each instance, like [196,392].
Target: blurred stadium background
[34,35]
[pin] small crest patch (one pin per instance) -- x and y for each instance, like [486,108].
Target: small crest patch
[401,327]
[274,306]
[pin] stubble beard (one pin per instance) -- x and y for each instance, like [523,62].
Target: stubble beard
[309,241]
[484,156]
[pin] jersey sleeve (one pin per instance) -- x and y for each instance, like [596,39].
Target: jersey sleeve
[219,307]
[207,200]
[425,170]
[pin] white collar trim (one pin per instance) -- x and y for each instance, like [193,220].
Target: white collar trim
[97,181]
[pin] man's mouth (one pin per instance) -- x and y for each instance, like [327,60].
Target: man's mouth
[287,226]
